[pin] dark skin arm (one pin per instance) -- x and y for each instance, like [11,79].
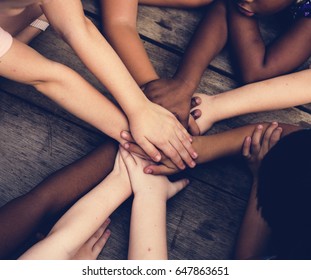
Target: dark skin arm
[254,59]
[227,143]
[175,94]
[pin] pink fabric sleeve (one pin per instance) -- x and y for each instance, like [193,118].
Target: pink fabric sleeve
[6,41]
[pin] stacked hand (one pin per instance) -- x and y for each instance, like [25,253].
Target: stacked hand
[175,96]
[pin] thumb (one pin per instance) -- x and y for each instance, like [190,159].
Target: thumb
[177,187]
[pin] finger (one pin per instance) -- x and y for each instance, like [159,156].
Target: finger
[195,101]
[150,150]
[196,113]
[185,147]
[94,238]
[126,135]
[136,150]
[177,187]
[275,137]
[127,158]
[193,127]
[160,170]
[266,138]
[184,152]
[256,139]
[247,147]
[102,240]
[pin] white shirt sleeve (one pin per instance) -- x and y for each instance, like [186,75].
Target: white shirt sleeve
[6,41]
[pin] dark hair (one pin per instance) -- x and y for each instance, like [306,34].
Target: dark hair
[284,195]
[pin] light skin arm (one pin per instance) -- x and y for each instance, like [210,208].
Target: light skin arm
[148,216]
[119,25]
[84,217]
[176,3]
[159,128]
[267,61]
[273,94]
[175,94]
[64,86]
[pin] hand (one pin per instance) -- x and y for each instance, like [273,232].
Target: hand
[145,184]
[175,96]
[256,147]
[167,167]
[154,127]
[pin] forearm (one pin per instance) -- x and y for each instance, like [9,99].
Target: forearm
[148,229]
[80,221]
[246,43]
[119,25]
[82,100]
[52,197]
[254,235]
[229,143]
[176,3]
[273,94]
[27,34]
[95,52]
[206,43]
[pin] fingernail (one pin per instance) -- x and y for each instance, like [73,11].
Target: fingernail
[260,126]
[126,145]
[192,164]
[158,158]
[195,155]
[149,171]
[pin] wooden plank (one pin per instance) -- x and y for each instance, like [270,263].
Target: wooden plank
[173,28]
[35,143]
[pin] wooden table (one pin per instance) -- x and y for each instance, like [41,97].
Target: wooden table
[38,137]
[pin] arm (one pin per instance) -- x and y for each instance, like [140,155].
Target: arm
[64,86]
[30,32]
[228,143]
[159,128]
[273,94]
[175,94]
[176,3]
[119,25]
[148,216]
[267,61]
[254,235]
[84,218]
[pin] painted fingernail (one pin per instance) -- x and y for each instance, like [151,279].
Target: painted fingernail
[149,171]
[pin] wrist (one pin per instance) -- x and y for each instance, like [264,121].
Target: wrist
[187,84]
[150,195]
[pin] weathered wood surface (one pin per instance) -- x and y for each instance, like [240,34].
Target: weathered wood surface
[38,137]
